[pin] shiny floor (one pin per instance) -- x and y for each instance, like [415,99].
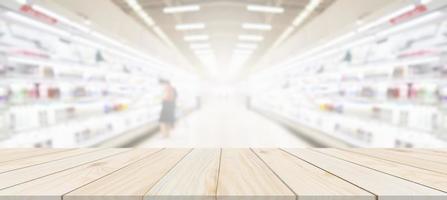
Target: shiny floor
[226,124]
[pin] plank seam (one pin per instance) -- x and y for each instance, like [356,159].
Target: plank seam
[218,174]
[38,155]
[277,175]
[385,172]
[400,151]
[62,170]
[398,162]
[161,178]
[119,169]
[45,162]
[366,190]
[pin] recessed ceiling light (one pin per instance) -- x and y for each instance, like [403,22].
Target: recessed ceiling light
[195,26]
[180,9]
[266,9]
[191,38]
[252,38]
[252,26]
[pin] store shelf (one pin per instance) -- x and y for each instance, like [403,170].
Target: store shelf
[76,91]
[275,174]
[386,91]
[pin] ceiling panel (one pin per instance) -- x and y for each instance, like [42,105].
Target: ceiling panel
[223,19]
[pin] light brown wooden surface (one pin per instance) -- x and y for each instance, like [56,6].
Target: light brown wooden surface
[195,178]
[15,154]
[244,176]
[133,182]
[22,175]
[409,158]
[54,186]
[317,182]
[40,159]
[225,174]
[421,176]
[383,185]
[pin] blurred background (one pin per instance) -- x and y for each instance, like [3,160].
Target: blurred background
[243,73]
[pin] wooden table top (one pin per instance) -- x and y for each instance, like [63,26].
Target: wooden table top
[224,174]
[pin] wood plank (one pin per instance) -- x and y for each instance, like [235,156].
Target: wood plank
[195,178]
[416,155]
[421,176]
[437,155]
[16,154]
[40,159]
[132,182]
[20,176]
[308,181]
[244,176]
[385,186]
[54,186]
[404,158]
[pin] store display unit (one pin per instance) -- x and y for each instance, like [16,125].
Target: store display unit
[386,87]
[65,90]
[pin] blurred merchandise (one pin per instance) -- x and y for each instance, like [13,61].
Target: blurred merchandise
[388,90]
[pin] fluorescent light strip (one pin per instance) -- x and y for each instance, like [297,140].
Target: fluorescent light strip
[60,18]
[149,21]
[181,9]
[311,6]
[253,38]
[194,26]
[261,27]
[265,9]
[59,32]
[36,24]
[134,5]
[163,36]
[146,18]
[191,38]
[415,22]
[284,36]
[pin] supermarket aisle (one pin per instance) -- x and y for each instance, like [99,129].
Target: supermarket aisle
[229,125]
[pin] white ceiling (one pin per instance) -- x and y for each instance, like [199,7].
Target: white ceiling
[223,20]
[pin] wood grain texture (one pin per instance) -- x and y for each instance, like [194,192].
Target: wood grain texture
[40,159]
[308,181]
[228,174]
[132,182]
[194,178]
[16,154]
[386,187]
[53,187]
[20,176]
[420,161]
[422,176]
[244,176]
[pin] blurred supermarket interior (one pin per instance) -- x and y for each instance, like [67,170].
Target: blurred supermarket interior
[246,73]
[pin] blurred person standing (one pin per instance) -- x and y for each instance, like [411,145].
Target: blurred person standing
[167,115]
